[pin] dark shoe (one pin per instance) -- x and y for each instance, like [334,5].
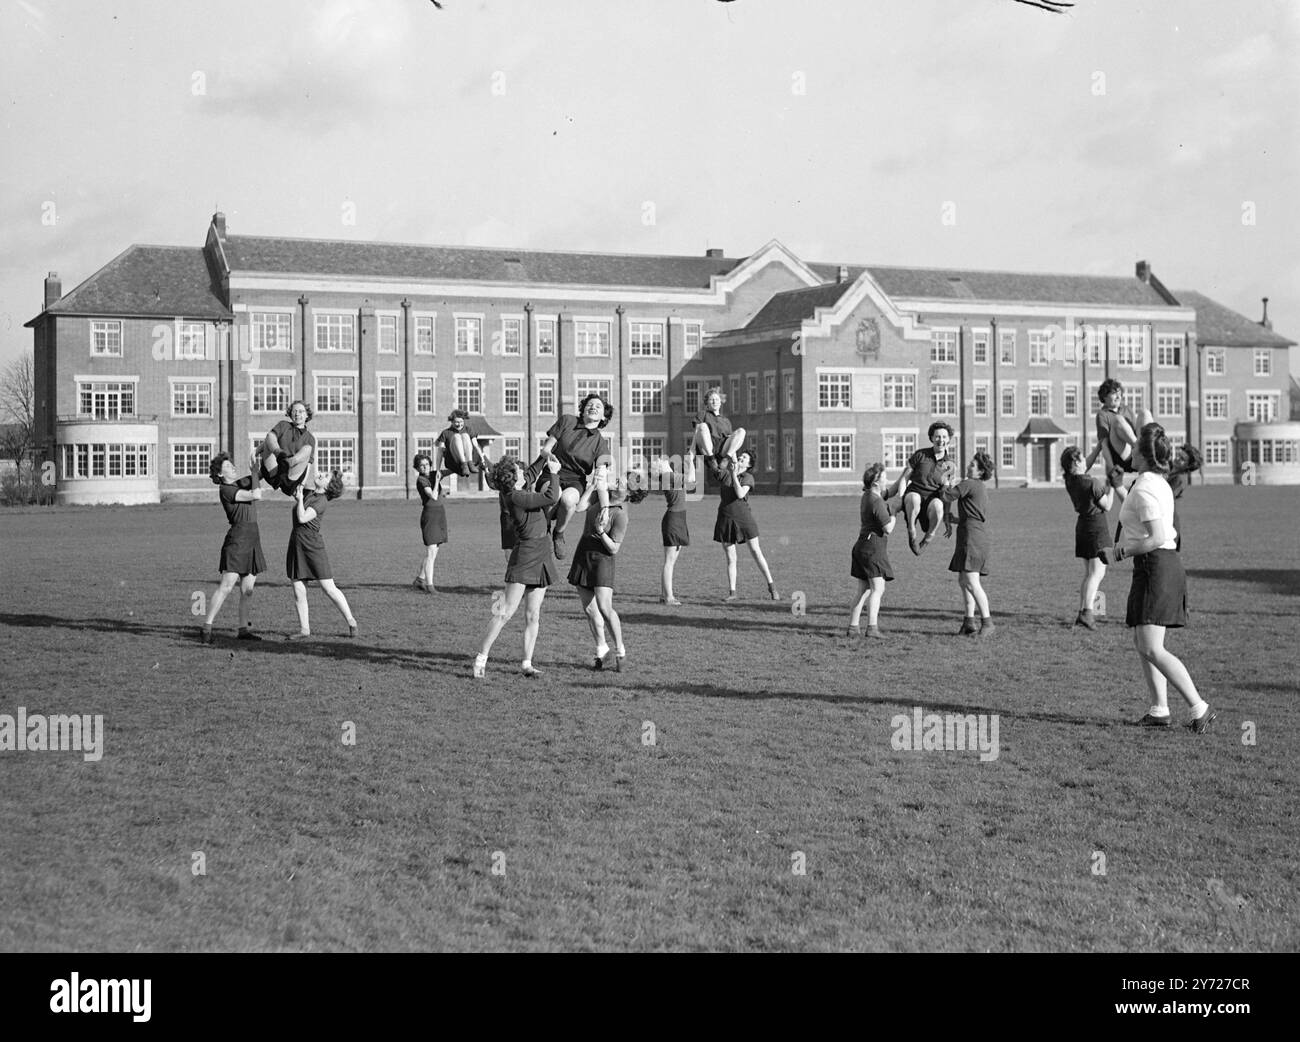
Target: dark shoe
[557,542]
[771,588]
[298,636]
[352,630]
[1086,620]
[873,633]
[1154,721]
[968,627]
[205,634]
[531,673]
[730,597]
[419,585]
[853,633]
[612,663]
[1203,724]
[247,634]
[987,629]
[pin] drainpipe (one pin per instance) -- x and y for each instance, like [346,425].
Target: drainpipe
[995,406]
[622,434]
[529,390]
[405,401]
[302,303]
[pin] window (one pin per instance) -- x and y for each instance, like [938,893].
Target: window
[1215,361]
[769,392]
[424,395]
[1039,348]
[336,394]
[1008,453]
[106,399]
[127,460]
[469,335]
[835,451]
[1169,400]
[424,334]
[545,395]
[1216,452]
[643,448]
[190,347]
[591,339]
[388,457]
[1261,407]
[469,393]
[192,398]
[424,446]
[982,442]
[1130,348]
[1070,401]
[1094,402]
[1040,400]
[189,459]
[512,336]
[546,336]
[646,339]
[943,398]
[943,347]
[691,390]
[751,394]
[647,397]
[1263,361]
[388,395]
[769,455]
[586,385]
[1169,350]
[512,446]
[335,333]
[1093,345]
[897,449]
[1006,347]
[106,339]
[1008,399]
[387,334]
[788,380]
[981,398]
[1071,340]
[788,449]
[1135,397]
[980,346]
[336,454]
[733,400]
[834,390]
[272,392]
[272,330]
[898,391]
[692,339]
[511,395]
[1216,405]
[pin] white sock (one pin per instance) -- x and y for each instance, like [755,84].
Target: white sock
[622,652]
[480,659]
[1159,711]
[526,664]
[1200,709]
[602,650]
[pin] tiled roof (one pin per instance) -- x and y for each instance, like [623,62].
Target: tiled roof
[1041,427]
[250,253]
[1217,326]
[793,306]
[1014,287]
[162,281]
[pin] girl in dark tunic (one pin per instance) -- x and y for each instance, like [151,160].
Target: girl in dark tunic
[306,558]
[433,520]
[928,471]
[532,565]
[871,552]
[714,438]
[736,524]
[592,573]
[970,560]
[1187,461]
[1092,498]
[583,451]
[673,526]
[241,553]
[286,451]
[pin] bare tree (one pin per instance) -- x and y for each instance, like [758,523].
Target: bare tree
[18,424]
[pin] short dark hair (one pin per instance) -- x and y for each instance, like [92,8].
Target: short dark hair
[1069,458]
[451,416]
[1191,459]
[609,409]
[1156,448]
[335,487]
[214,466]
[870,475]
[984,463]
[310,411]
[415,463]
[502,475]
[939,425]
[1109,387]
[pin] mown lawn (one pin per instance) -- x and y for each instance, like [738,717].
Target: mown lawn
[772,747]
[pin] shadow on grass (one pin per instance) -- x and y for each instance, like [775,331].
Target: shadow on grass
[1278,580]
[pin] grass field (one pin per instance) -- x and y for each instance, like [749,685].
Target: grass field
[511,814]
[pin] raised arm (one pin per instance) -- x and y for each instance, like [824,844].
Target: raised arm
[538,500]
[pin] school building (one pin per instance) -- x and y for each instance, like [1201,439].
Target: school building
[167,355]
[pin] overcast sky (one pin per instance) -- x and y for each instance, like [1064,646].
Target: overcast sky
[1076,143]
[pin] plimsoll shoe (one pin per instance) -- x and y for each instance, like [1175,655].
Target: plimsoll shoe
[1203,724]
[1154,721]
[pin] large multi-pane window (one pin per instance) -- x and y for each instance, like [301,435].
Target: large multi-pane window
[1216,405]
[1169,400]
[271,330]
[1135,397]
[1263,361]
[647,397]
[1094,345]
[1216,452]
[512,336]
[769,392]
[469,393]
[106,399]
[1006,347]
[1130,348]
[192,398]
[751,394]
[691,392]
[106,339]
[469,335]
[512,445]
[511,395]
[1007,396]
[943,346]
[424,395]
[898,391]
[190,347]
[642,449]
[272,392]
[692,339]
[1261,407]
[388,394]
[769,445]
[545,395]
[732,404]
[1169,350]
[1070,401]
[788,449]
[1039,347]
[424,335]
[1216,361]
[1094,401]
[591,339]
[980,346]
[336,394]
[787,379]
[336,454]
[981,396]
[336,333]
[189,459]
[586,385]
[943,398]
[1008,460]
[646,339]
[545,336]
[1040,400]
[834,390]
[835,451]
[897,449]
[388,457]
[387,334]
[127,460]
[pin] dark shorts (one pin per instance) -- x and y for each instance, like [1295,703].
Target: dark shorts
[532,563]
[280,479]
[590,569]
[572,479]
[673,528]
[1091,536]
[1158,596]
[433,523]
[870,560]
[972,552]
[241,552]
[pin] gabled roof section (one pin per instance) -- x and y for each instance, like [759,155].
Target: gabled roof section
[1219,326]
[148,281]
[793,306]
[1014,287]
[248,254]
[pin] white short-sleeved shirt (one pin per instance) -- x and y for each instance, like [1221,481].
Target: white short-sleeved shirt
[1148,499]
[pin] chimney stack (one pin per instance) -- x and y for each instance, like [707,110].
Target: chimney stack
[715,253]
[219,222]
[843,274]
[1144,271]
[1265,320]
[53,288]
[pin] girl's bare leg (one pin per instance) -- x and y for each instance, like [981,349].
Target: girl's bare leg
[855,610]
[300,603]
[501,614]
[340,602]
[532,620]
[605,602]
[228,580]
[760,560]
[873,601]
[670,562]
